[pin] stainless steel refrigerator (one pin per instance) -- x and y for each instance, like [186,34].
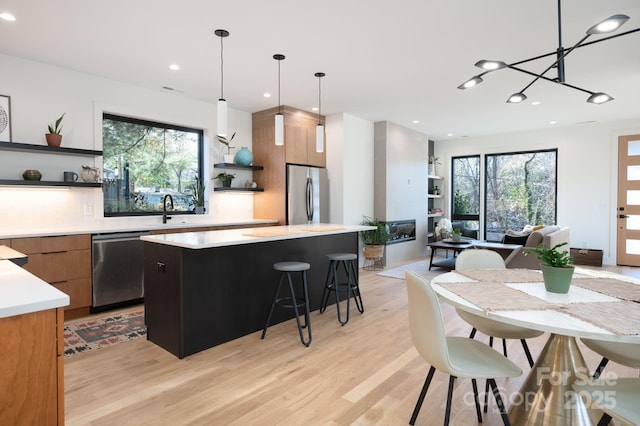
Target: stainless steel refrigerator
[307,195]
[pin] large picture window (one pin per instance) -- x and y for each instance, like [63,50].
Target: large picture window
[520,189]
[144,161]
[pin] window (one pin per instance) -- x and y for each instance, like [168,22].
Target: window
[520,189]
[465,185]
[143,161]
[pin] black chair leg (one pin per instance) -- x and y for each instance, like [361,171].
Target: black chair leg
[527,352]
[604,420]
[423,393]
[473,333]
[501,407]
[475,398]
[491,341]
[273,304]
[326,291]
[486,396]
[504,347]
[294,302]
[447,413]
[598,372]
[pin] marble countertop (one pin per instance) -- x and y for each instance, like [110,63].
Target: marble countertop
[110,225]
[22,292]
[229,237]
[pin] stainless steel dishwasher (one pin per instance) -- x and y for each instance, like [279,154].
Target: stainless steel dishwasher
[118,269]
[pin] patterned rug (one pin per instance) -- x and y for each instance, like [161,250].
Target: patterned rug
[95,333]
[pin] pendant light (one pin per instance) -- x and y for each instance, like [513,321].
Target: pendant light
[320,126]
[279,116]
[222,102]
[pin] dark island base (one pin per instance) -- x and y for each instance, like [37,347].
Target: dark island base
[196,299]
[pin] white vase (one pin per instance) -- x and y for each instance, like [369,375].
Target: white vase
[228,158]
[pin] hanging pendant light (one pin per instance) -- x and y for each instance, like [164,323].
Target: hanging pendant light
[320,126]
[279,116]
[222,102]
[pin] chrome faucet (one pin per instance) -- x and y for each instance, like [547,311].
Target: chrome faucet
[164,207]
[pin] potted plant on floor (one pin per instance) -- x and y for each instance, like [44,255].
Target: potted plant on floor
[54,138]
[225,179]
[557,267]
[374,240]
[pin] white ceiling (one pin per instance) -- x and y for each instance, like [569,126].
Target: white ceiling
[389,60]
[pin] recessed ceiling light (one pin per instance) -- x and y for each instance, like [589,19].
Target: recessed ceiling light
[535,103]
[7,16]
[314,109]
[416,121]
[553,122]
[174,67]
[449,134]
[267,95]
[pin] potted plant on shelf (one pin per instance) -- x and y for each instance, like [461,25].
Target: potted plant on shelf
[557,267]
[199,190]
[228,157]
[432,165]
[225,179]
[54,138]
[374,240]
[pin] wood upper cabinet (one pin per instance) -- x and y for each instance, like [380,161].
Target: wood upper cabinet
[299,148]
[65,263]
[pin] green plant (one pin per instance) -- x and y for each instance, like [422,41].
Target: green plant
[56,128]
[456,231]
[199,190]
[433,160]
[223,140]
[225,176]
[378,236]
[551,256]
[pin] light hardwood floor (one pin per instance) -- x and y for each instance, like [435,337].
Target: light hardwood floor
[365,373]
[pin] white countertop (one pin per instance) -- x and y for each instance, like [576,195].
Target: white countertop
[109,225]
[230,237]
[22,292]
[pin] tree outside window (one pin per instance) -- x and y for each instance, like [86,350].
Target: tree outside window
[143,161]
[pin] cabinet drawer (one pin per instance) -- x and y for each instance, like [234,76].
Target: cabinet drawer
[60,266]
[51,244]
[79,292]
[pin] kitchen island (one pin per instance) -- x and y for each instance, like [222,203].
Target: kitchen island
[206,288]
[31,336]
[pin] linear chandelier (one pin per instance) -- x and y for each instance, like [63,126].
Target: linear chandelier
[607,26]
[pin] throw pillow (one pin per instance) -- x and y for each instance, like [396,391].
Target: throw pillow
[515,237]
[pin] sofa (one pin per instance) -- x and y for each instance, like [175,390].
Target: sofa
[548,235]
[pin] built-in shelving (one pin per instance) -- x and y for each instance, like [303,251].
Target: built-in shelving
[238,189]
[236,166]
[45,149]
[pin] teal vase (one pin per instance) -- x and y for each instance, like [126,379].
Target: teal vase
[244,157]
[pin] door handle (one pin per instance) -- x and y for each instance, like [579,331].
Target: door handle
[623,216]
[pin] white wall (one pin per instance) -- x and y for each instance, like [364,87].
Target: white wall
[401,185]
[40,93]
[587,174]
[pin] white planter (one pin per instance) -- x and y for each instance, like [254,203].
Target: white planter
[228,158]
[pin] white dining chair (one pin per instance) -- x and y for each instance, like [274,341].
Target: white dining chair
[627,354]
[456,356]
[618,399]
[487,259]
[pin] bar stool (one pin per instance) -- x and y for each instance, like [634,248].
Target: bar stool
[292,301]
[348,261]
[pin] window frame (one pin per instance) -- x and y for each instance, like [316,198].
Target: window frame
[161,125]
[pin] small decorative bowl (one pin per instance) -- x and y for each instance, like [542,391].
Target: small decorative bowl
[31,174]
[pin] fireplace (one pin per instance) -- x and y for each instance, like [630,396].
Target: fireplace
[401,231]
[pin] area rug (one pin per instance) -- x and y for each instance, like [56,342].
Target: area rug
[421,268]
[89,334]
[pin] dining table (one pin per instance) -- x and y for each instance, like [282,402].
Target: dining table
[599,305]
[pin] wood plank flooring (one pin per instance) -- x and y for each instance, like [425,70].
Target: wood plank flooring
[365,373]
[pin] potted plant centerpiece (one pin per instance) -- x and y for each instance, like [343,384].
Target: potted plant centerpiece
[456,235]
[228,157]
[54,138]
[199,189]
[225,179]
[557,267]
[374,240]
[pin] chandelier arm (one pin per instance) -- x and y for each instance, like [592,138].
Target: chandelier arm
[551,80]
